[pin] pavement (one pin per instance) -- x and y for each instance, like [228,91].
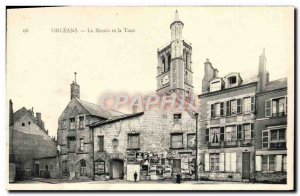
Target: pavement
[61,181]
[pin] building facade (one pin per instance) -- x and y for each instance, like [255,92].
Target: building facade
[271,128]
[226,122]
[74,136]
[28,142]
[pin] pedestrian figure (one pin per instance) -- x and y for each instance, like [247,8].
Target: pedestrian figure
[135,176]
[178,178]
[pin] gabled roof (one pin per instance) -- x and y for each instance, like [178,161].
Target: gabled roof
[97,110]
[276,84]
[20,113]
[118,118]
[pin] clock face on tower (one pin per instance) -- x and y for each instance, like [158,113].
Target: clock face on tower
[165,79]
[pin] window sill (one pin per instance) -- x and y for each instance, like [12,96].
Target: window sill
[133,149]
[176,148]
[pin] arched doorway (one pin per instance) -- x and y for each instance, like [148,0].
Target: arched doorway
[116,169]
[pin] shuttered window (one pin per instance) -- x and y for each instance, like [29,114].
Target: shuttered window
[239,106]
[222,134]
[268,108]
[265,139]
[212,110]
[239,132]
[207,135]
[177,140]
[228,109]
[222,112]
[230,162]
[214,160]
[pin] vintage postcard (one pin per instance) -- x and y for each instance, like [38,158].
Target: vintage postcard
[150,98]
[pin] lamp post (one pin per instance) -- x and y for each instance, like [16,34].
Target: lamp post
[196,164]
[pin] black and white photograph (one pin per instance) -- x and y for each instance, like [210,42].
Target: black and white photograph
[187,98]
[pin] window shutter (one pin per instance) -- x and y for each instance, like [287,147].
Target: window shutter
[207,135]
[252,130]
[278,162]
[257,163]
[206,159]
[221,163]
[286,105]
[227,162]
[239,106]
[239,132]
[222,109]
[212,110]
[222,134]
[252,104]
[228,110]
[268,108]
[233,161]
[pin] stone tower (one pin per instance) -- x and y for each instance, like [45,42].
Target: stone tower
[75,89]
[174,70]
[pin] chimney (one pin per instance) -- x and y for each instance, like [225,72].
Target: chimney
[11,113]
[262,72]
[39,118]
[75,89]
[209,74]
[268,77]
[31,112]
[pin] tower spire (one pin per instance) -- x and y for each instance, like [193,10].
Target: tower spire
[176,17]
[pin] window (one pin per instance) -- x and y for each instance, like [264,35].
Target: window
[214,162]
[230,133]
[222,134]
[247,105]
[71,144]
[276,107]
[177,140]
[164,64]
[191,140]
[233,105]
[177,118]
[83,171]
[207,135]
[215,86]
[29,123]
[81,144]
[101,143]
[239,132]
[176,165]
[23,124]
[239,106]
[222,113]
[277,138]
[81,122]
[247,131]
[215,135]
[72,123]
[217,108]
[228,109]
[212,110]
[169,62]
[265,139]
[100,167]
[133,141]
[230,161]
[271,163]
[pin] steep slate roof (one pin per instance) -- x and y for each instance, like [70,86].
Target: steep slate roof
[276,84]
[97,110]
[20,113]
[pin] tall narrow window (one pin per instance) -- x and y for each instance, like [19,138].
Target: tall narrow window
[239,106]
[81,122]
[214,162]
[71,144]
[222,134]
[233,105]
[228,109]
[252,104]
[81,144]
[268,108]
[247,105]
[239,132]
[72,123]
[247,131]
[217,109]
[101,143]
[212,110]
[252,130]
[83,171]
[222,109]
[215,134]
[191,140]
[169,62]
[265,139]
[230,133]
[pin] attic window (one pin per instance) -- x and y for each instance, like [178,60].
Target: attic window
[215,86]
[177,118]
[232,80]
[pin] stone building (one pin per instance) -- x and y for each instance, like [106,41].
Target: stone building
[74,136]
[271,127]
[28,142]
[157,144]
[226,122]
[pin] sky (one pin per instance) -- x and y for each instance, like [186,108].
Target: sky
[41,61]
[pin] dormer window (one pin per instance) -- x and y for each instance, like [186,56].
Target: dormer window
[233,80]
[216,85]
